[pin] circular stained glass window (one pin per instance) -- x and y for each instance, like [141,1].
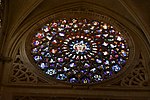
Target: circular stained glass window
[79,50]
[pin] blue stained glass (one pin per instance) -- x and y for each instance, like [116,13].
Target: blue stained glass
[79,50]
[45,29]
[60,59]
[61,77]
[122,62]
[98,60]
[73,80]
[116,68]
[93,70]
[43,65]
[86,31]
[101,67]
[66,69]
[53,32]
[47,55]
[51,71]
[84,71]
[86,65]
[124,53]
[72,65]
[107,62]
[86,80]
[36,42]
[35,50]
[52,60]
[108,73]
[52,65]
[98,77]
[37,58]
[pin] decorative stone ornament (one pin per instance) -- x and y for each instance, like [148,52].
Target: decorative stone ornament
[80,49]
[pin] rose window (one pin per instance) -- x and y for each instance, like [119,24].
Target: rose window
[79,50]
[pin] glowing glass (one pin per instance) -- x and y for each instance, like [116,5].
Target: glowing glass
[79,50]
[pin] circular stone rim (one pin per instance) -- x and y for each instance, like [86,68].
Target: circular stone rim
[81,14]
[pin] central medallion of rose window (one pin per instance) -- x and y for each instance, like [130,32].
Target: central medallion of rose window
[79,50]
[79,47]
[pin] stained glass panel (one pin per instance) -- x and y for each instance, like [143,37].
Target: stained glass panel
[79,50]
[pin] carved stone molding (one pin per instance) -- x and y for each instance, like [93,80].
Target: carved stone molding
[137,77]
[57,98]
[2,6]
[72,98]
[1,13]
[20,73]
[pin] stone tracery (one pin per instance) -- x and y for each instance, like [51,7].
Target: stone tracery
[79,50]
